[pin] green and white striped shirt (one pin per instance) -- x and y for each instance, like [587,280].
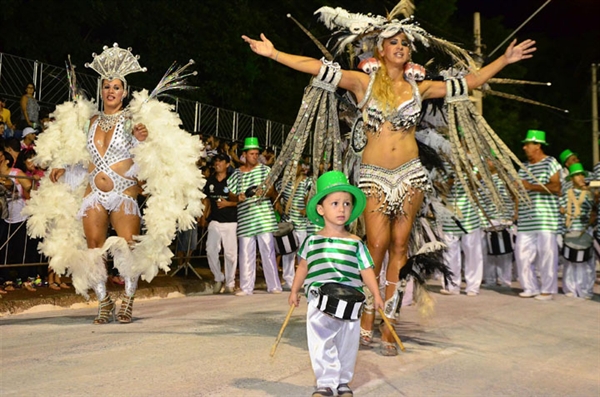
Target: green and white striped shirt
[334,259]
[298,203]
[508,206]
[255,215]
[543,215]
[460,204]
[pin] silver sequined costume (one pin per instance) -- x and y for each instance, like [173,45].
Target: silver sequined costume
[118,150]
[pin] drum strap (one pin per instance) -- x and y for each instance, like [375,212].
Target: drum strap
[573,209]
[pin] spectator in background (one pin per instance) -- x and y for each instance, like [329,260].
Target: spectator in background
[13,147]
[236,161]
[14,228]
[268,156]
[28,141]
[6,118]
[30,109]
[25,163]
[221,215]
[256,221]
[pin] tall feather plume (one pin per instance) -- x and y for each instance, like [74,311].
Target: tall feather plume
[404,7]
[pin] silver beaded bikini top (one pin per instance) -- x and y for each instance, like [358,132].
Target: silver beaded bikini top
[403,118]
[120,144]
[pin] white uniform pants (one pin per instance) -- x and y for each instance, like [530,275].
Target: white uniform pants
[537,250]
[222,233]
[579,278]
[471,246]
[247,257]
[288,262]
[333,346]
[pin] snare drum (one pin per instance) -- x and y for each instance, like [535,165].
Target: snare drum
[499,240]
[577,247]
[286,241]
[340,301]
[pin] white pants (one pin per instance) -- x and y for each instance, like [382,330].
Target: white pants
[332,345]
[471,246]
[579,278]
[537,250]
[222,233]
[288,262]
[247,262]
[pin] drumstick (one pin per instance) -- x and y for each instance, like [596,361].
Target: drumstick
[287,318]
[392,330]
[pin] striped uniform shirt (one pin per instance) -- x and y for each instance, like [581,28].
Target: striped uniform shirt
[334,259]
[508,205]
[254,215]
[543,215]
[597,177]
[581,222]
[298,203]
[460,204]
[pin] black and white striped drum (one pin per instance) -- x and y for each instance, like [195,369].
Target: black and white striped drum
[340,301]
[286,241]
[577,247]
[499,240]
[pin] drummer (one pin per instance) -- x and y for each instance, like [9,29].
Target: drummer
[497,267]
[577,204]
[292,206]
[255,221]
[538,222]
[333,255]
[462,232]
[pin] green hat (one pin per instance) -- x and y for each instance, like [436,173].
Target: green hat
[250,143]
[331,182]
[575,169]
[565,155]
[536,136]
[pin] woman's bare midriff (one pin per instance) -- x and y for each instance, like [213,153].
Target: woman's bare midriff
[390,149]
[105,184]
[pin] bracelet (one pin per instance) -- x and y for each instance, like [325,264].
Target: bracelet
[277,55]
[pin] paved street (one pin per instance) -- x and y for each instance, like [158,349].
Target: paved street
[207,345]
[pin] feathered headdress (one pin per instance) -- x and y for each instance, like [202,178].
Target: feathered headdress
[365,32]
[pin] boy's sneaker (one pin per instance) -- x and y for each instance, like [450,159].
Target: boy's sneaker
[344,390]
[323,392]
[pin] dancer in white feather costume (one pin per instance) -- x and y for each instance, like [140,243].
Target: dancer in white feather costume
[97,162]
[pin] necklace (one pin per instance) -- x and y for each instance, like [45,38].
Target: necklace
[108,121]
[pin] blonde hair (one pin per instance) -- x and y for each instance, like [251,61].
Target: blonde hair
[383,87]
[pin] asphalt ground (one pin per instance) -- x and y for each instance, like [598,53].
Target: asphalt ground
[185,341]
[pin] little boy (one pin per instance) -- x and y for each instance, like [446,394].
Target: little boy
[333,255]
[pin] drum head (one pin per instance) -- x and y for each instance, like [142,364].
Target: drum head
[283,228]
[578,240]
[342,292]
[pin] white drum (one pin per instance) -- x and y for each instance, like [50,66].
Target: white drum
[499,240]
[577,247]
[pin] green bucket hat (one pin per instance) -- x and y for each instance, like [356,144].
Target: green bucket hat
[565,155]
[331,182]
[250,143]
[575,169]
[535,136]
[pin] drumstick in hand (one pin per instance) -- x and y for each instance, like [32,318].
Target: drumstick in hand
[287,318]
[392,330]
